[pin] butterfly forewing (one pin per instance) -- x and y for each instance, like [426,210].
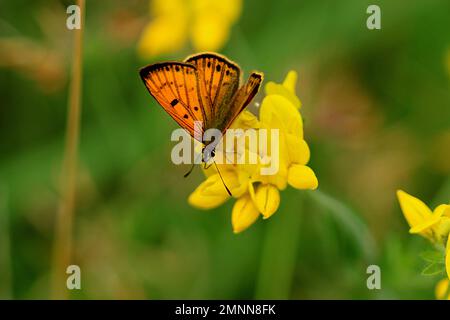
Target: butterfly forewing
[174,85]
[218,82]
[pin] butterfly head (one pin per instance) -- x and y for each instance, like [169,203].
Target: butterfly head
[208,153]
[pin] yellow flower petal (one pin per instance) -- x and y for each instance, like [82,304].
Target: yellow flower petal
[209,194]
[209,32]
[302,177]
[298,149]
[442,228]
[287,89]
[441,290]
[230,9]
[425,225]
[267,199]
[245,120]
[273,167]
[246,168]
[442,210]
[414,210]
[244,214]
[236,181]
[447,257]
[290,81]
[278,112]
[163,35]
[446,212]
[200,201]
[279,180]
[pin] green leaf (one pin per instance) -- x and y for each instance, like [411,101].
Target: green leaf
[433,269]
[350,221]
[433,256]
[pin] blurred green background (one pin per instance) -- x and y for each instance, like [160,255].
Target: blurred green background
[376,106]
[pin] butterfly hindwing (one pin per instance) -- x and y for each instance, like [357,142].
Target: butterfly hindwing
[242,98]
[174,85]
[248,91]
[218,83]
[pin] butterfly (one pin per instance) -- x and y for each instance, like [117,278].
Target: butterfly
[205,87]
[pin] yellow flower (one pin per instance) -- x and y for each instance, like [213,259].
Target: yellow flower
[434,226]
[447,61]
[447,257]
[442,290]
[206,23]
[258,194]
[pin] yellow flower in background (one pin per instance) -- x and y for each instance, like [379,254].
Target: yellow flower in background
[433,225]
[259,194]
[442,290]
[206,23]
[447,257]
[447,61]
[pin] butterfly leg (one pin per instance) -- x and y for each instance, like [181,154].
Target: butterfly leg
[193,164]
[206,165]
[190,170]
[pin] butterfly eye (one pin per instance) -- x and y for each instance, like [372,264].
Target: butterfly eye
[213,153]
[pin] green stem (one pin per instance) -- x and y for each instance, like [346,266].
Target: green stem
[279,254]
[62,250]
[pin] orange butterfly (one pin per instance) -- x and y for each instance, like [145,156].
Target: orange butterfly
[206,88]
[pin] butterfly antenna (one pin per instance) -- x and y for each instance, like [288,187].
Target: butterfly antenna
[228,190]
[190,170]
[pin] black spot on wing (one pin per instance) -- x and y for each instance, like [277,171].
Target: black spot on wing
[174,102]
